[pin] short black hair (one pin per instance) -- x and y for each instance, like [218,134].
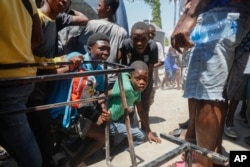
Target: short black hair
[114,4]
[139,65]
[96,37]
[141,26]
[151,26]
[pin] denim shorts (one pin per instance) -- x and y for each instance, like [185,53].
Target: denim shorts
[210,62]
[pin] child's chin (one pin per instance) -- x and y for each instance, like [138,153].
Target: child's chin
[140,50]
[141,89]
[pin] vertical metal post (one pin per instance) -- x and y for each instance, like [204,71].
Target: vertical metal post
[127,121]
[107,140]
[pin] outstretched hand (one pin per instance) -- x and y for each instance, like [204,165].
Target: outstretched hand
[180,36]
[154,138]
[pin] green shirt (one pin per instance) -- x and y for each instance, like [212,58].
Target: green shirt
[115,103]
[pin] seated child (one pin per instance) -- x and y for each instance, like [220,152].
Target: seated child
[86,126]
[134,83]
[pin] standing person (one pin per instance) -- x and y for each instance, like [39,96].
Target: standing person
[140,47]
[209,65]
[172,70]
[16,43]
[156,78]
[41,121]
[237,85]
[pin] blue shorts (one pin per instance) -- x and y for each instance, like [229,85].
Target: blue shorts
[171,70]
[210,63]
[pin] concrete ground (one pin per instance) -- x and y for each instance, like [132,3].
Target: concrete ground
[168,109]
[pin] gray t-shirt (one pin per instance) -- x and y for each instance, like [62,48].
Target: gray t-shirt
[116,34]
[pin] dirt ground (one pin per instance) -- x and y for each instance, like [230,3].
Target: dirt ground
[168,110]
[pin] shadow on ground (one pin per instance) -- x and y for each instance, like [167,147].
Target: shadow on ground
[155,120]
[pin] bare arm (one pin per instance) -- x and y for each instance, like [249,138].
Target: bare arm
[79,18]
[158,64]
[180,36]
[144,121]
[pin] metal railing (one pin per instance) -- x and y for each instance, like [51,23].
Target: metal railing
[117,69]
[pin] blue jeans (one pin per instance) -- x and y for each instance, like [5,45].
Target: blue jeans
[118,128]
[15,133]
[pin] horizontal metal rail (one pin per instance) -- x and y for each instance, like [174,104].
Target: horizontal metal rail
[117,70]
[51,77]
[168,156]
[215,157]
[48,64]
[49,106]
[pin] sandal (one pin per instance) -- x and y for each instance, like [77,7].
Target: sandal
[176,132]
[178,164]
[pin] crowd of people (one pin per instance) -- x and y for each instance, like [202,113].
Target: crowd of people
[50,31]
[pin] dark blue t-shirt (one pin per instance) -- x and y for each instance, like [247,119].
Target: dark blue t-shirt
[216,3]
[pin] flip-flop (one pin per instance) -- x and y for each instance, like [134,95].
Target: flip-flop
[175,132]
[247,140]
[180,164]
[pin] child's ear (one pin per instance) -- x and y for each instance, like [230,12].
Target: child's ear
[108,9]
[89,48]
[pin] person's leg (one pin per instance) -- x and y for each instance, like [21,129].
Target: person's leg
[155,78]
[210,119]
[192,108]
[15,131]
[163,82]
[40,123]
[248,112]
[177,75]
[229,124]
[119,129]
[138,135]
[97,133]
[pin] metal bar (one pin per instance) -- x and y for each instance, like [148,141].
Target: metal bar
[41,64]
[215,157]
[47,64]
[48,106]
[168,156]
[51,77]
[107,133]
[127,121]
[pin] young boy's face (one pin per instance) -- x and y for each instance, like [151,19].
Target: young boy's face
[151,33]
[59,5]
[140,40]
[139,79]
[100,50]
